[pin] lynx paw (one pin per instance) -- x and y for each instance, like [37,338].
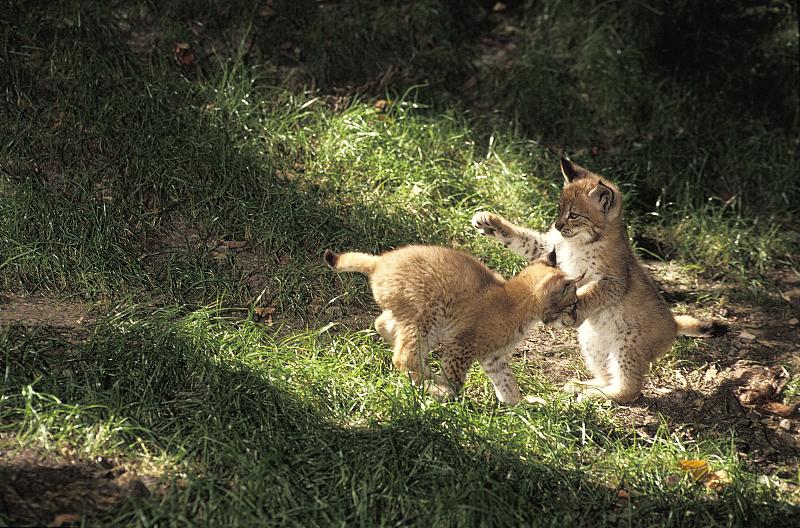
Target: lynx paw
[573,387]
[589,390]
[490,224]
[577,386]
[535,400]
[439,391]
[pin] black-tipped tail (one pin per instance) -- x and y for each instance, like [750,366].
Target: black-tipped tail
[714,328]
[689,326]
[331,258]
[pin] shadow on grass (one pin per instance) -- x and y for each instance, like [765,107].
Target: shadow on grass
[257,444]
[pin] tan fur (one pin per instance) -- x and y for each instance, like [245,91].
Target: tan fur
[432,295]
[623,322]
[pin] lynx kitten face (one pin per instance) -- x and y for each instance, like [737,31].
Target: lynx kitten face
[623,322]
[432,295]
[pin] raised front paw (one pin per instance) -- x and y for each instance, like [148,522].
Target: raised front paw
[490,224]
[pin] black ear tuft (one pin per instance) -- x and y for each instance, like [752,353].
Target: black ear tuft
[551,258]
[571,171]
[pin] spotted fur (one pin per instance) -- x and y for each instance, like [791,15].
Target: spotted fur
[435,297]
[623,321]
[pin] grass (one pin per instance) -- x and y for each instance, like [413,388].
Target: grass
[123,174]
[315,429]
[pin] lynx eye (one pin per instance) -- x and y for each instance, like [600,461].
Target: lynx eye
[573,216]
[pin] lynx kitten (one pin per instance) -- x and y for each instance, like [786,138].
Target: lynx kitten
[623,322]
[433,295]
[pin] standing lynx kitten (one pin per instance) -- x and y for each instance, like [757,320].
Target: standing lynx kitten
[432,295]
[623,322]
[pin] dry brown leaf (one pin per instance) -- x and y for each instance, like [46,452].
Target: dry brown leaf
[701,472]
[672,480]
[184,55]
[780,409]
[264,314]
[63,519]
[381,105]
[791,295]
[623,494]
[717,480]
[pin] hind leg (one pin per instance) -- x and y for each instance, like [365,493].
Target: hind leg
[384,325]
[408,355]
[597,361]
[626,372]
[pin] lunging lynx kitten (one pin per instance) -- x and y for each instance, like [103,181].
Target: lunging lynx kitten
[623,322]
[432,295]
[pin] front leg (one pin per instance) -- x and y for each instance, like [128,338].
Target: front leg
[523,241]
[591,297]
[499,373]
[597,295]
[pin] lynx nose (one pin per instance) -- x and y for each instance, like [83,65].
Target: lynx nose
[559,224]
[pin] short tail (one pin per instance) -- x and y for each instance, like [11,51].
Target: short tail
[689,326]
[358,262]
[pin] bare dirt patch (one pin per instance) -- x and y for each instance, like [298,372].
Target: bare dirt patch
[43,489]
[708,388]
[71,318]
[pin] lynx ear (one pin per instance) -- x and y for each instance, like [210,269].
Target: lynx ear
[571,171]
[603,196]
[548,259]
[551,258]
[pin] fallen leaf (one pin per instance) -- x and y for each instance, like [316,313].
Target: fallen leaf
[698,469]
[701,472]
[747,335]
[717,480]
[64,518]
[793,321]
[759,383]
[381,105]
[791,295]
[264,314]
[499,7]
[623,494]
[780,409]
[184,55]
[672,480]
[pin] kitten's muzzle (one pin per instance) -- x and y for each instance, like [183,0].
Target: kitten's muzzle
[566,233]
